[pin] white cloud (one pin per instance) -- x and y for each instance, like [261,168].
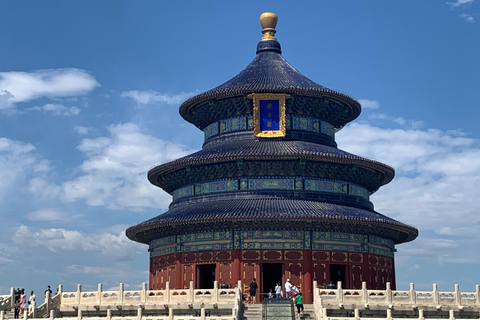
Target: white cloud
[58,240]
[467,17]
[17,86]
[459,3]
[17,162]
[81,130]
[47,215]
[114,171]
[398,120]
[56,109]
[435,189]
[449,231]
[150,96]
[369,104]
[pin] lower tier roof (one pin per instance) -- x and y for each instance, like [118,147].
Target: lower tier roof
[268,213]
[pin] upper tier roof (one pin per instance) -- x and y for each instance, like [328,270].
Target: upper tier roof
[269,72]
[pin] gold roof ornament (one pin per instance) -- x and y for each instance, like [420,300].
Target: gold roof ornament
[268,21]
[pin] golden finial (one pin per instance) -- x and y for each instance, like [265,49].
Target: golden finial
[268,20]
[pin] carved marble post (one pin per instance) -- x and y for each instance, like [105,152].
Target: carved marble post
[435,294]
[215,291]
[191,293]
[143,294]
[139,313]
[389,293]
[121,290]
[167,292]
[413,294]
[79,294]
[451,315]
[339,291]
[458,295]
[364,294]
[79,314]
[12,297]
[99,294]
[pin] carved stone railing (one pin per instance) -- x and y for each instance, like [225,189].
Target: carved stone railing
[439,304]
[5,302]
[149,297]
[397,297]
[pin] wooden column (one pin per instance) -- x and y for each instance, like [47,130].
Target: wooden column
[307,277]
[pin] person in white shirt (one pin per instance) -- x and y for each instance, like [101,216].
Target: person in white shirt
[31,302]
[278,290]
[288,289]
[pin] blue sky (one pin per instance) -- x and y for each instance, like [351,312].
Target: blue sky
[89,97]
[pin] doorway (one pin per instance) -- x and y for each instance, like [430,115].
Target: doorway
[206,276]
[338,273]
[271,274]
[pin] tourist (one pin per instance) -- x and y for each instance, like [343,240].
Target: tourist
[270,293]
[48,291]
[253,291]
[278,290]
[31,302]
[299,302]
[17,308]
[288,289]
[23,301]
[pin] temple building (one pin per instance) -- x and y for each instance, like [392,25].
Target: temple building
[270,196]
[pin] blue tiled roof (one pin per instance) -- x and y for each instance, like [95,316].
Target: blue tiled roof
[271,211]
[270,149]
[268,72]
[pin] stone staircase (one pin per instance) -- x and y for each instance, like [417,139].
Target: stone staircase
[308,312]
[253,311]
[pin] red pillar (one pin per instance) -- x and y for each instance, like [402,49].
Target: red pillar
[307,270]
[236,266]
[178,273]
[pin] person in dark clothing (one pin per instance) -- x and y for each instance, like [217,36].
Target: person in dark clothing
[252,291]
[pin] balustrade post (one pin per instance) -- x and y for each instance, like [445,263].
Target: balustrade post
[2,314]
[109,313]
[12,297]
[99,293]
[170,314]
[52,314]
[202,314]
[167,292]
[315,290]
[356,314]
[191,292]
[339,291]
[389,293]
[413,294]
[420,314]
[324,312]
[436,296]
[79,294]
[121,290]
[143,294]
[389,314]
[458,296]
[139,313]
[364,293]
[215,291]
[477,294]
[451,315]
[79,314]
